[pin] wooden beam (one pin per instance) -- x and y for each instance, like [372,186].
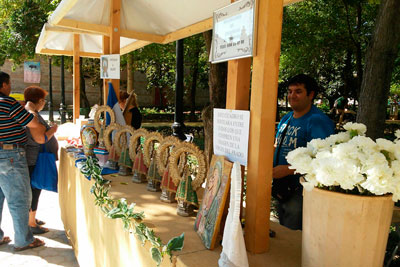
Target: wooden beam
[84,26]
[69,30]
[68,53]
[154,38]
[264,91]
[89,54]
[238,84]
[106,51]
[289,2]
[193,29]
[76,78]
[133,46]
[238,89]
[56,52]
[115,18]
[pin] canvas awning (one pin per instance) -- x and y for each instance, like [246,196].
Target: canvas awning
[55,40]
[141,22]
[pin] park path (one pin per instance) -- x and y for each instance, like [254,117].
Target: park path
[56,252]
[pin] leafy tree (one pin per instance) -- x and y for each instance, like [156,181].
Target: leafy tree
[327,39]
[20,24]
[158,64]
[196,58]
[217,81]
[380,63]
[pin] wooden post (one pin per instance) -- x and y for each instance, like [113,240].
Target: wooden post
[264,92]
[237,95]
[238,84]
[115,18]
[106,51]
[130,74]
[76,95]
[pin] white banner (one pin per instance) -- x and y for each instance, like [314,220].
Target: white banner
[110,67]
[231,134]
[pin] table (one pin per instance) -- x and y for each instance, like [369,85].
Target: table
[100,241]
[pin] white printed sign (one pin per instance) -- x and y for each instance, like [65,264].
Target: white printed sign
[231,134]
[110,67]
[233,31]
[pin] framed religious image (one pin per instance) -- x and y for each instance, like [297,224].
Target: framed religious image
[233,31]
[209,216]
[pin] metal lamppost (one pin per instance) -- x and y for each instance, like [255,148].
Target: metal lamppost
[51,117]
[178,126]
[63,107]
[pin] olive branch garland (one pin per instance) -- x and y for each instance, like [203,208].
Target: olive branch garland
[119,209]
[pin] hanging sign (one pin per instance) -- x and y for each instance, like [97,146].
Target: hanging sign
[231,134]
[233,31]
[31,72]
[110,67]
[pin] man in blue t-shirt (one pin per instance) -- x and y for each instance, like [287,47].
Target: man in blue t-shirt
[304,123]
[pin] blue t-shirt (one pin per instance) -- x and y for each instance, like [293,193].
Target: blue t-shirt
[314,124]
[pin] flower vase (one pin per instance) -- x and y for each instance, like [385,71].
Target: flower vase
[344,230]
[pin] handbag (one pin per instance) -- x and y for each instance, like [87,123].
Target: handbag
[45,175]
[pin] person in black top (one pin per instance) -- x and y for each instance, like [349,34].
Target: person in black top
[131,111]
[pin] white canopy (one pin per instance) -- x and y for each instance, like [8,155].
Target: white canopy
[60,41]
[142,22]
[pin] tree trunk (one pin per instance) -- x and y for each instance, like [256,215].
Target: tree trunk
[195,74]
[379,65]
[160,90]
[217,83]
[130,71]
[83,98]
[347,74]
[100,101]
[358,51]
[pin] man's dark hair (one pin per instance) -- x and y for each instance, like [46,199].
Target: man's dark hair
[309,83]
[4,78]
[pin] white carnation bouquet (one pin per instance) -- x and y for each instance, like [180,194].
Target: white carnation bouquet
[350,162]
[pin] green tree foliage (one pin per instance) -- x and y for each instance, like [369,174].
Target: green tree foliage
[20,24]
[327,39]
[158,62]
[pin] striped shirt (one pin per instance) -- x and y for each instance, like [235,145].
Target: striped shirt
[12,119]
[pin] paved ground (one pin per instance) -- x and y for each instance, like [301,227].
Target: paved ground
[56,252]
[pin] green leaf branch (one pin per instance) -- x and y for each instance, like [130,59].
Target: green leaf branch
[120,209]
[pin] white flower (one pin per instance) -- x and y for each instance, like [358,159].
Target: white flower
[359,127]
[397,134]
[386,145]
[350,160]
[301,158]
[338,138]
[308,186]
[316,145]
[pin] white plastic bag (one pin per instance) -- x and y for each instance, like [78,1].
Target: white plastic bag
[233,247]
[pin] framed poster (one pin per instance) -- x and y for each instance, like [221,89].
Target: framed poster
[233,31]
[210,213]
[31,72]
[110,67]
